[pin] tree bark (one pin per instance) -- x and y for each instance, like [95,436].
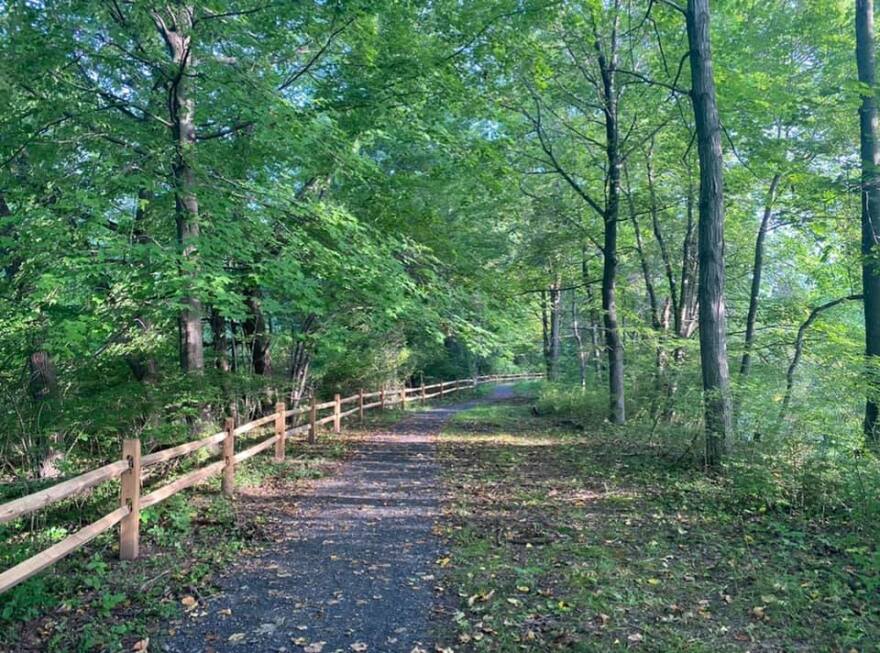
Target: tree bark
[257,334]
[643,261]
[545,334]
[300,361]
[757,269]
[870,192]
[713,333]
[658,232]
[579,340]
[175,25]
[613,342]
[221,342]
[690,267]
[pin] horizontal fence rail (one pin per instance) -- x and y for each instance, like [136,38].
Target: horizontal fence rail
[130,468]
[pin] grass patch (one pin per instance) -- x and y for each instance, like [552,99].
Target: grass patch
[562,540]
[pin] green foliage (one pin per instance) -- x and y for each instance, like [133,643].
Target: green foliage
[600,537]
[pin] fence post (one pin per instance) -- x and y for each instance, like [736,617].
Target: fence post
[382,399]
[403,398]
[129,527]
[441,389]
[313,417]
[337,414]
[361,404]
[423,389]
[228,484]
[280,428]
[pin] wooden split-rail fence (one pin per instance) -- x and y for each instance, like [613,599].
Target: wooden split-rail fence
[130,467]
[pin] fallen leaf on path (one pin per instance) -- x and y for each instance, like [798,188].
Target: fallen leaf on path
[483,598]
[142,645]
[189,602]
[358,647]
[314,647]
[236,637]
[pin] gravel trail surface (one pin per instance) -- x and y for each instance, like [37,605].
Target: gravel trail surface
[354,566]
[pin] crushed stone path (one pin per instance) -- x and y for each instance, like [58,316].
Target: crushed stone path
[354,570]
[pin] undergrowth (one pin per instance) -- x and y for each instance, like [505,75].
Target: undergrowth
[568,533]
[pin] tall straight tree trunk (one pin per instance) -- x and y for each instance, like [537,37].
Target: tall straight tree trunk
[658,232]
[221,342]
[713,333]
[595,331]
[579,340]
[687,301]
[300,360]
[257,334]
[870,154]
[757,269]
[175,26]
[613,341]
[555,328]
[643,260]
[545,335]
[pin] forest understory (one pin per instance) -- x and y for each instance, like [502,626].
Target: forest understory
[599,540]
[556,535]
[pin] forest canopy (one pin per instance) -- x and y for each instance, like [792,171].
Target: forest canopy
[205,205]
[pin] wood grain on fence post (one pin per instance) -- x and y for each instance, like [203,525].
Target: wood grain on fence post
[337,414]
[361,404]
[130,496]
[313,417]
[228,483]
[441,389]
[382,399]
[403,398]
[280,423]
[423,390]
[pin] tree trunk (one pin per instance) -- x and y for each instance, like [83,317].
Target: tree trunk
[545,335]
[555,329]
[257,334]
[221,342]
[643,261]
[713,334]
[870,155]
[300,362]
[175,26]
[757,269]
[658,232]
[579,340]
[613,343]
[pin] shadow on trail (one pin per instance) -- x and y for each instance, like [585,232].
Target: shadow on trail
[354,562]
